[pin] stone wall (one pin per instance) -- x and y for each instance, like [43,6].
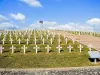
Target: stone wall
[52,71]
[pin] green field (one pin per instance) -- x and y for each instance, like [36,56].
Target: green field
[43,59]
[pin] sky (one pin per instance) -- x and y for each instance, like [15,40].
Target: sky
[82,15]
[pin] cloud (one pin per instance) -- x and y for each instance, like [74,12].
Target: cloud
[3,18]
[94,21]
[69,26]
[33,3]
[73,27]
[45,24]
[18,16]
[7,25]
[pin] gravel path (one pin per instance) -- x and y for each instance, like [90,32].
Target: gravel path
[53,71]
[84,39]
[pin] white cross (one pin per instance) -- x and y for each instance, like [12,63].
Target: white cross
[27,40]
[12,48]
[29,36]
[3,41]
[34,34]
[16,37]
[41,36]
[19,40]
[90,47]
[51,40]
[58,41]
[58,35]
[66,40]
[43,40]
[73,41]
[70,48]
[47,36]
[22,36]
[24,48]
[11,40]
[80,47]
[48,48]
[79,33]
[36,47]
[64,36]
[10,35]
[53,36]
[35,40]
[59,48]
[1,48]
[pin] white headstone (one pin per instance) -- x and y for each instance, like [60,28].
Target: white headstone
[10,35]
[41,36]
[19,40]
[66,40]
[43,40]
[36,49]
[29,36]
[64,36]
[3,41]
[70,48]
[24,48]
[16,37]
[12,48]
[1,48]
[73,40]
[58,41]
[27,41]
[59,48]
[53,36]
[48,48]
[80,47]
[47,36]
[22,36]
[51,40]
[90,47]
[11,40]
[35,40]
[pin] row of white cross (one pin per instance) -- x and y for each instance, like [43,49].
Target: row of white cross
[35,40]
[48,48]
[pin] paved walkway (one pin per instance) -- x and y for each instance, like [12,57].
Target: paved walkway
[84,39]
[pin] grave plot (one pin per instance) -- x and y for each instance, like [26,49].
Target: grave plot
[41,48]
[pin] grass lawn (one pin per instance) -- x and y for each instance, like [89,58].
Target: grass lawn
[45,60]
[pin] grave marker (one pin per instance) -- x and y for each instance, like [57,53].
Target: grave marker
[27,41]
[43,40]
[3,41]
[59,48]
[47,36]
[70,48]
[11,40]
[90,47]
[19,40]
[66,40]
[80,47]
[51,40]
[12,48]
[58,41]
[48,48]
[1,48]
[36,47]
[35,40]
[24,48]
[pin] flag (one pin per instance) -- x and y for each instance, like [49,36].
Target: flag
[41,22]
